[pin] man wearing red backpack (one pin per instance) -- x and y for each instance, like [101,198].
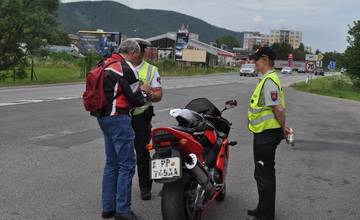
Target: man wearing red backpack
[123,93]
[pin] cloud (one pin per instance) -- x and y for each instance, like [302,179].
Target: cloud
[258,18]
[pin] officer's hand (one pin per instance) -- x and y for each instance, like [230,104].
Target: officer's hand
[287,131]
[146,88]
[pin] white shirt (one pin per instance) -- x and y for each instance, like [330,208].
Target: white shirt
[156,81]
[270,94]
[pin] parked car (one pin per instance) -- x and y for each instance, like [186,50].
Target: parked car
[319,72]
[301,70]
[248,69]
[287,70]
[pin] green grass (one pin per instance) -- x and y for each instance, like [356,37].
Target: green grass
[172,68]
[62,71]
[190,71]
[47,75]
[336,86]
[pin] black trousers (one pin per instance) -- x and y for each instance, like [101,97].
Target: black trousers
[142,127]
[265,144]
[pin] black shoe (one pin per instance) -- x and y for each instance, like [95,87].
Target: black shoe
[146,195]
[252,218]
[253,212]
[108,214]
[130,216]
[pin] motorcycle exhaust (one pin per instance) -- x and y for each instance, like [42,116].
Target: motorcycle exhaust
[199,173]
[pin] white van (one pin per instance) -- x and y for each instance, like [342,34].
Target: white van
[248,69]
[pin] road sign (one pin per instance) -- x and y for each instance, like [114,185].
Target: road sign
[311,57]
[320,56]
[332,65]
[310,66]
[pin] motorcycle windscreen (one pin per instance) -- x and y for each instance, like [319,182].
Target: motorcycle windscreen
[203,106]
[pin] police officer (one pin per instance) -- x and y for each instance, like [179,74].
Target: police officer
[266,119]
[141,120]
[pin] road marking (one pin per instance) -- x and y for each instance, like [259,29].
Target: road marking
[28,101]
[9,103]
[51,135]
[164,110]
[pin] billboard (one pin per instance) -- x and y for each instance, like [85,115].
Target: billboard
[195,56]
[98,42]
[182,41]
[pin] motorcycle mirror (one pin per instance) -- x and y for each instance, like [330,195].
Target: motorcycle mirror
[230,104]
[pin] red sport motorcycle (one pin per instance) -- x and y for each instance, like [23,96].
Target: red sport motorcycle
[191,159]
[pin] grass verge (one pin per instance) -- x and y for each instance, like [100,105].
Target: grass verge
[64,71]
[336,86]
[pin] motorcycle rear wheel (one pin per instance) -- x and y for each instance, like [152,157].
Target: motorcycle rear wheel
[175,205]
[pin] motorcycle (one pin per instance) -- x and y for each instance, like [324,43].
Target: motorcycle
[191,159]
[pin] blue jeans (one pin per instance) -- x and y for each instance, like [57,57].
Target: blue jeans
[120,163]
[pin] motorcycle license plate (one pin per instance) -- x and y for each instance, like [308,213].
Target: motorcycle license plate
[165,168]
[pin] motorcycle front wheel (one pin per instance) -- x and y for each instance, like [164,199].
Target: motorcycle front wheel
[178,201]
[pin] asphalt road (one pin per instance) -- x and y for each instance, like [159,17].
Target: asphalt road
[51,153]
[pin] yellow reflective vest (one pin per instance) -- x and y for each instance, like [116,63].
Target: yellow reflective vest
[146,75]
[261,118]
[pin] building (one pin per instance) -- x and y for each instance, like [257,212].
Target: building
[254,38]
[294,38]
[308,49]
[165,44]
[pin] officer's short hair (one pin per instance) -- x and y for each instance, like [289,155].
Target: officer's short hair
[128,46]
[269,61]
[272,63]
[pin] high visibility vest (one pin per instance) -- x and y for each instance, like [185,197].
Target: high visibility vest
[146,75]
[261,118]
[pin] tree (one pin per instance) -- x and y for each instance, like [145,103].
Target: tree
[230,41]
[339,58]
[299,53]
[282,50]
[301,47]
[25,27]
[255,47]
[60,38]
[352,53]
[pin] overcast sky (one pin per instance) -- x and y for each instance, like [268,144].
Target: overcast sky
[323,22]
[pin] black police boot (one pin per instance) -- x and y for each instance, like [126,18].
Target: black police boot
[252,218]
[130,216]
[146,195]
[253,212]
[108,214]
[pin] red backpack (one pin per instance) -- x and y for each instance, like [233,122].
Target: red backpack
[94,97]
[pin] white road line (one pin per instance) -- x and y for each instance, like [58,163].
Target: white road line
[163,110]
[51,135]
[28,101]
[9,103]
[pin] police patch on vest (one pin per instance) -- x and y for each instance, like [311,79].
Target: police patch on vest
[274,96]
[158,80]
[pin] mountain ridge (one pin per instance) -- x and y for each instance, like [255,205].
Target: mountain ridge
[114,16]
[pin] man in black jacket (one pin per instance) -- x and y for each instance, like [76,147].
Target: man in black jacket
[124,93]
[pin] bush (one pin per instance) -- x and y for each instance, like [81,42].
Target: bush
[62,56]
[339,82]
[352,53]
[87,63]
